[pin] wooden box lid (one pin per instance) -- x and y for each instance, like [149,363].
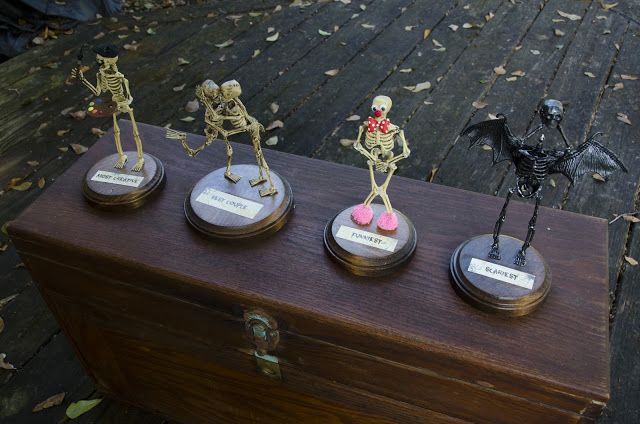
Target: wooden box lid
[557,356]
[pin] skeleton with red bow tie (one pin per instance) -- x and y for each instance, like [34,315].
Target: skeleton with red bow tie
[379,141]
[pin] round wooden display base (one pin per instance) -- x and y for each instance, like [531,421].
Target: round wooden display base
[220,208]
[107,187]
[483,288]
[352,245]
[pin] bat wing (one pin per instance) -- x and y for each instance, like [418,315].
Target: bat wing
[496,134]
[589,157]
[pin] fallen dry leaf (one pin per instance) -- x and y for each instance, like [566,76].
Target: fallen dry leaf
[511,79]
[479,104]
[188,119]
[273,37]
[409,27]
[631,261]
[439,46]
[274,107]
[98,35]
[622,117]
[518,73]
[78,148]
[405,70]
[346,142]
[255,54]
[353,118]
[97,131]
[630,77]
[492,116]
[607,6]
[558,33]
[270,30]
[275,124]
[552,182]
[618,86]
[535,52]
[224,44]
[331,72]
[61,133]
[33,163]
[63,149]
[271,141]
[131,47]
[179,87]
[38,41]
[418,87]
[367,26]
[598,177]
[486,147]
[324,33]
[183,61]
[453,27]
[54,400]
[569,16]
[5,365]
[590,74]
[467,25]
[19,185]
[489,16]
[499,70]
[78,114]
[41,183]
[192,106]
[631,218]
[426,34]
[432,174]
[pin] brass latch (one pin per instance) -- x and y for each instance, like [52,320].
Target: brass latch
[262,331]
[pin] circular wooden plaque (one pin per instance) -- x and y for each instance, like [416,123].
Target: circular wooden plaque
[222,209]
[354,246]
[499,286]
[108,187]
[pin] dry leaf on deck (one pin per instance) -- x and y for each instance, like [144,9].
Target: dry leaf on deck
[78,114]
[346,142]
[78,148]
[192,106]
[188,119]
[271,141]
[353,118]
[569,16]
[41,182]
[367,26]
[33,163]
[63,149]
[432,174]
[224,44]
[518,73]
[631,261]
[511,79]
[598,177]
[61,133]
[54,400]
[499,70]
[479,105]
[98,35]
[179,87]
[622,117]
[489,16]
[131,47]
[630,77]
[97,131]
[255,53]
[331,72]
[590,74]
[324,33]
[631,218]
[426,34]
[19,185]
[274,107]
[453,27]
[418,87]
[78,408]
[273,37]
[405,70]
[558,33]
[5,365]
[607,6]
[486,147]
[618,86]
[467,25]
[275,124]
[535,52]
[183,61]
[492,116]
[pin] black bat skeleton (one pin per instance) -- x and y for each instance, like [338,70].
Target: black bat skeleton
[534,163]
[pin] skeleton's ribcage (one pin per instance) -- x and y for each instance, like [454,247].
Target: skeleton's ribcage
[536,168]
[114,85]
[238,121]
[384,142]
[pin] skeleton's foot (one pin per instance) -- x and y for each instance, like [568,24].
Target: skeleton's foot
[268,191]
[362,215]
[139,165]
[120,163]
[494,253]
[258,180]
[520,260]
[232,177]
[388,221]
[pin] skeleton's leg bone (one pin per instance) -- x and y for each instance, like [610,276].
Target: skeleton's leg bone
[374,187]
[388,220]
[521,258]
[383,190]
[363,214]
[122,158]
[494,253]
[255,139]
[228,174]
[136,137]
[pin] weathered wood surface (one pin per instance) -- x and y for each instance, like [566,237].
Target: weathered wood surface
[314,106]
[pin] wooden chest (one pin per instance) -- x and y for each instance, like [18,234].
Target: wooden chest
[168,320]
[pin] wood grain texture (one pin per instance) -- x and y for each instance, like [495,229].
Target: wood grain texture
[411,319]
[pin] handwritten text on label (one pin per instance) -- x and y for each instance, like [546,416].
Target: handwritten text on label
[502,273]
[366,238]
[229,202]
[120,179]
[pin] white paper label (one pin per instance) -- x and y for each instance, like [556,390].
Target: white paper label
[229,202]
[366,238]
[502,273]
[120,179]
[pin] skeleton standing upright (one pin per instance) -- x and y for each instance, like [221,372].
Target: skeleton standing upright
[109,79]
[379,140]
[534,163]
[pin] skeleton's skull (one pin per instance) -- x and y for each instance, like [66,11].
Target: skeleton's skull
[210,89]
[381,106]
[551,113]
[231,89]
[107,56]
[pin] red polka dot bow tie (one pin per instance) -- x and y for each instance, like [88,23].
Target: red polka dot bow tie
[383,125]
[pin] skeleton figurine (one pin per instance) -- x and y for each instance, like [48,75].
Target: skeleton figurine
[534,163]
[379,141]
[223,104]
[109,79]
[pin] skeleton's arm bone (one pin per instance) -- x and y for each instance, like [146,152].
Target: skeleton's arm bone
[564,137]
[127,92]
[405,149]
[358,146]
[533,131]
[96,90]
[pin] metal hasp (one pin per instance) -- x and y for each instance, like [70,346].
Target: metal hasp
[262,331]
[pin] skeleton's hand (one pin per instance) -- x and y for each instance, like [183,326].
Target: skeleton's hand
[77,73]
[381,166]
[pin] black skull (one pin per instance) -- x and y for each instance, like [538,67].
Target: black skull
[551,113]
